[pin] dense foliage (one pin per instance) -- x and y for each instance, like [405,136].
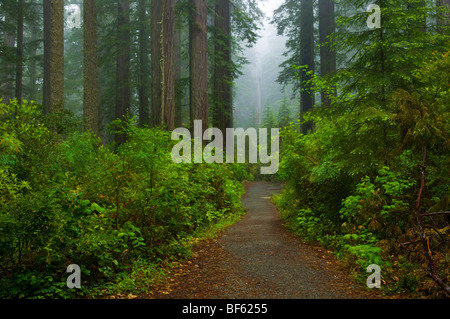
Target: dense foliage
[353,183]
[68,199]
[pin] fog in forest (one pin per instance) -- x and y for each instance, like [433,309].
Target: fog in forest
[257,91]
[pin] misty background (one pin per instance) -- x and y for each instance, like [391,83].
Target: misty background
[258,97]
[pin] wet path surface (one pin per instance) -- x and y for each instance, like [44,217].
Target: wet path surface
[258,259]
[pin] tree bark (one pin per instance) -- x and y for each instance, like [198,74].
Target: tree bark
[53,55]
[32,67]
[144,65]
[199,105]
[178,79]
[307,59]
[443,18]
[163,79]
[19,61]
[90,68]
[8,60]
[327,26]
[223,108]
[123,90]
[47,55]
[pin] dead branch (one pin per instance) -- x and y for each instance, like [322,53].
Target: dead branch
[410,242]
[424,238]
[433,214]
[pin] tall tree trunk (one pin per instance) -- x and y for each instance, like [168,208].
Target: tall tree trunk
[144,64]
[7,88]
[53,55]
[178,80]
[198,45]
[19,61]
[307,59]
[163,79]
[327,26]
[443,19]
[259,106]
[90,69]
[179,87]
[32,67]
[382,64]
[47,55]
[123,89]
[223,108]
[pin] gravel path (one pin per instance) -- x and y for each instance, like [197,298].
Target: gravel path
[258,259]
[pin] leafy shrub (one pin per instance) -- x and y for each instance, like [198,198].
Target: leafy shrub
[352,184]
[67,199]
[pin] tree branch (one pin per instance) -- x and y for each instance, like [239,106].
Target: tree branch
[424,238]
[433,214]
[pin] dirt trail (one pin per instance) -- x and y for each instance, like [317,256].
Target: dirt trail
[258,259]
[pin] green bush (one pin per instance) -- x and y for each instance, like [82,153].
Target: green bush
[352,184]
[68,199]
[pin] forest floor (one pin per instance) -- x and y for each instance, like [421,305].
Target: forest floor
[258,259]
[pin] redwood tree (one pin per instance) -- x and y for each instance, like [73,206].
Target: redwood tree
[53,55]
[163,79]
[443,19]
[327,26]
[223,108]
[144,85]
[90,68]
[19,53]
[198,47]
[123,89]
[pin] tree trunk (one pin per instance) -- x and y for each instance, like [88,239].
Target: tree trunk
[123,90]
[327,26]
[90,68]
[47,55]
[382,64]
[223,109]
[7,87]
[53,55]
[307,59]
[163,79]
[19,61]
[199,106]
[32,67]
[178,79]
[144,65]
[443,19]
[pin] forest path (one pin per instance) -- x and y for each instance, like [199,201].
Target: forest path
[258,259]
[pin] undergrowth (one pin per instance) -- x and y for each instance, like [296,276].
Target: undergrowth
[119,213]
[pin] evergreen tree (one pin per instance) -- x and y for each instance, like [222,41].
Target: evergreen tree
[198,44]
[284,114]
[163,79]
[123,61]
[222,93]
[144,70]
[269,118]
[327,27]
[8,56]
[306,61]
[288,23]
[90,67]
[53,55]
[381,60]
[19,49]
